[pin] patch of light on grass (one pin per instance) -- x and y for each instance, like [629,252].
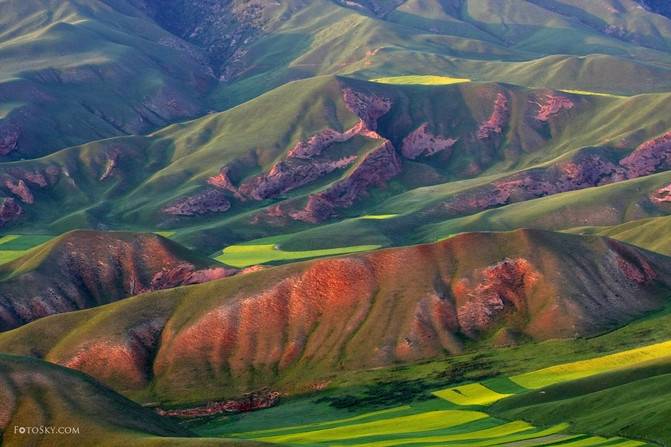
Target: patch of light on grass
[421,80]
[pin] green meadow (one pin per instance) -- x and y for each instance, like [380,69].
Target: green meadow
[421,80]
[13,246]
[253,254]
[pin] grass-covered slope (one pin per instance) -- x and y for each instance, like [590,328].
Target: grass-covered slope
[652,233]
[127,66]
[38,394]
[238,175]
[220,339]
[102,65]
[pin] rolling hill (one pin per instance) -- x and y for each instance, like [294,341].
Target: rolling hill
[213,208]
[84,269]
[220,339]
[38,394]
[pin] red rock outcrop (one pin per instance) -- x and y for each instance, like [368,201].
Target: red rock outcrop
[498,119]
[209,201]
[649,157]
[320,141]
[248,402]
[368,107]
[662,195]
[187,274]
[10,210]
[422,143]
[21,190]
[290,174]
[585,171]
[223,180]
[375,170]
[501,288]
[553,105]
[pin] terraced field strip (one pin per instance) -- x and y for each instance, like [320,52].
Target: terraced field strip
[589,93]
[13,246]
[246,255]
[378,216]
[598,365]
[421,80]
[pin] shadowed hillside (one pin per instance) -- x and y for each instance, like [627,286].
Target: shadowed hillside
[35,393]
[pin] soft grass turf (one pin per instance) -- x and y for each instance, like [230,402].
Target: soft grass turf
[421,80]
[247,255]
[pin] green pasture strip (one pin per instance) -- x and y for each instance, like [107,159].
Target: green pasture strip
[585,368]
[378,216]
[23,241]
[366,417]
[421,80]
[248,255]
[590,93]
[10,255]
[431,420]
[8,238]
[498,431]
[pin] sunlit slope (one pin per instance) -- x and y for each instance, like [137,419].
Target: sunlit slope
[355,311]
[131,182]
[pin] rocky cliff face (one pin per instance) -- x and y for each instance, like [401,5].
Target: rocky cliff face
[423,143]
[379,166]
[498,119]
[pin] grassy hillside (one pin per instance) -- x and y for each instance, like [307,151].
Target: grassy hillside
[503,386]
[99,64]
[651,233]
[402,305]
[36,393]
[128,183]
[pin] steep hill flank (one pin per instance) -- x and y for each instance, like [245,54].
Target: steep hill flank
[86,268]
[35,393]
[286,327]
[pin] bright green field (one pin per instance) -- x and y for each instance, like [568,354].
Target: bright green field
[13,246]
[421,80]
[459,417]
[479,413]
[254,254]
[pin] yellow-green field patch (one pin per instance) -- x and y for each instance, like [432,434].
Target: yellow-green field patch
[421,80]
[586,368]
[431,420]
[378,216]
[471,394]
[246,255]
[589,93]
[13,246]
